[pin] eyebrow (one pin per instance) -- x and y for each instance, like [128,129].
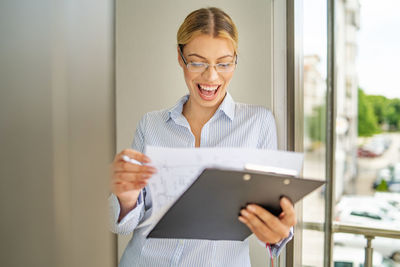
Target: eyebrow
[196,55]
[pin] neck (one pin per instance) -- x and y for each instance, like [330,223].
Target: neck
[194,112]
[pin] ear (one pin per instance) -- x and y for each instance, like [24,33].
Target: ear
[180,61]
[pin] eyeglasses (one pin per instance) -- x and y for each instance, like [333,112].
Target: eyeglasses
[202,66]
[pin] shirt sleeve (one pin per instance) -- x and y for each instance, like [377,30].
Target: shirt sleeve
[277,247]
[132,219]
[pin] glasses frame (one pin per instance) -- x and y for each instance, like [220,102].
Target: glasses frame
[207,65]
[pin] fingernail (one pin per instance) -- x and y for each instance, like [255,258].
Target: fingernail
[251,208]
[146,159]
[244,212]
[286,201]
[241,219]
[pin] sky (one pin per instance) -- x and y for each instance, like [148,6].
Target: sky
[378,55]
[315,32]
[379,47]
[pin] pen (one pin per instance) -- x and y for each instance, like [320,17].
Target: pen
[130,160]
[134,161]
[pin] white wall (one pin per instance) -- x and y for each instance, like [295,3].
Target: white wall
[148,75]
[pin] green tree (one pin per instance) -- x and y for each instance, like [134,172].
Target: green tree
[367,121]
[383,186]
[316,124]
[393,114]
[379,104]
[387,111]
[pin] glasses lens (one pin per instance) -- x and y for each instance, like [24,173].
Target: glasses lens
[197,67]
[225,67]
[201,67]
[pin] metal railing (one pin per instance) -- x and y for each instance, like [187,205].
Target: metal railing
[368,232]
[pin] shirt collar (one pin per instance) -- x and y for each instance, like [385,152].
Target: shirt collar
[176,110]
[227,107]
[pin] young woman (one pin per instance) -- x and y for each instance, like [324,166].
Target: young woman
[206,117]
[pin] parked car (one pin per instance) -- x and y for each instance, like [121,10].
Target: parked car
[346,256]
[366,153]
[368,216]
[379,211]
[384,139]
[392,198]
[375,147]
[389,248]
[388,178]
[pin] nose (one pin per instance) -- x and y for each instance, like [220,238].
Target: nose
[210,73]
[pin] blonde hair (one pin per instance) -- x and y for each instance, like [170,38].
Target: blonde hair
[211,21]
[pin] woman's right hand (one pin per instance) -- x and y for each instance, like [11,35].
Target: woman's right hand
[128,178]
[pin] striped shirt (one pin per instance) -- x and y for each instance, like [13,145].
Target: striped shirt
[232,125]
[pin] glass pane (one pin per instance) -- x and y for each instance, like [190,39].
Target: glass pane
[368,123]
[315,62]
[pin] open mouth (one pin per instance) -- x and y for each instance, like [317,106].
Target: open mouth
[208,92]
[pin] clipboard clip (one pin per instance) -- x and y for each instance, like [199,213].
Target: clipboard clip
[269,169]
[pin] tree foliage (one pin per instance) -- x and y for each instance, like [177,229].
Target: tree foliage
[383,186]
[316,124]
[379,104]
[367,121]
[375,113]
[386,111]
[393,114]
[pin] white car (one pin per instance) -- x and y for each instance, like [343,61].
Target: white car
[379,211]
[391,175]
[369,210]
[368,216]
[388,247]
[392,198]
[344,256]
[381,199]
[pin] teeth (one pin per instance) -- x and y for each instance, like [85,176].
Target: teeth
[209,88]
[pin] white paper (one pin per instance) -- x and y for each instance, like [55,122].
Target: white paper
[178,168]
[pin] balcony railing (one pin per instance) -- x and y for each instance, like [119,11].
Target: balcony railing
[368,232]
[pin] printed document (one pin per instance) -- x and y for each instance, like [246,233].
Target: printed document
[178,168]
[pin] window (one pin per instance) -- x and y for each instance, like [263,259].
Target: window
[314,87]
[367,151]
[366,137]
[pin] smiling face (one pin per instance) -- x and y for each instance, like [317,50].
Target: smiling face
[207,89]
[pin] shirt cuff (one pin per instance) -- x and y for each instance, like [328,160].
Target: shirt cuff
[130,221]
[277,247]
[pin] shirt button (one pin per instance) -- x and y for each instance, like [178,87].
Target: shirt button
[181,242]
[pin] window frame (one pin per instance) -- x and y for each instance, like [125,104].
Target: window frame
[294,119]
[294,109]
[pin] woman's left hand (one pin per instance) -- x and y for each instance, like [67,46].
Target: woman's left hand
[267,227]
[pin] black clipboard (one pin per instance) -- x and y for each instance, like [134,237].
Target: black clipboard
[210,207]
